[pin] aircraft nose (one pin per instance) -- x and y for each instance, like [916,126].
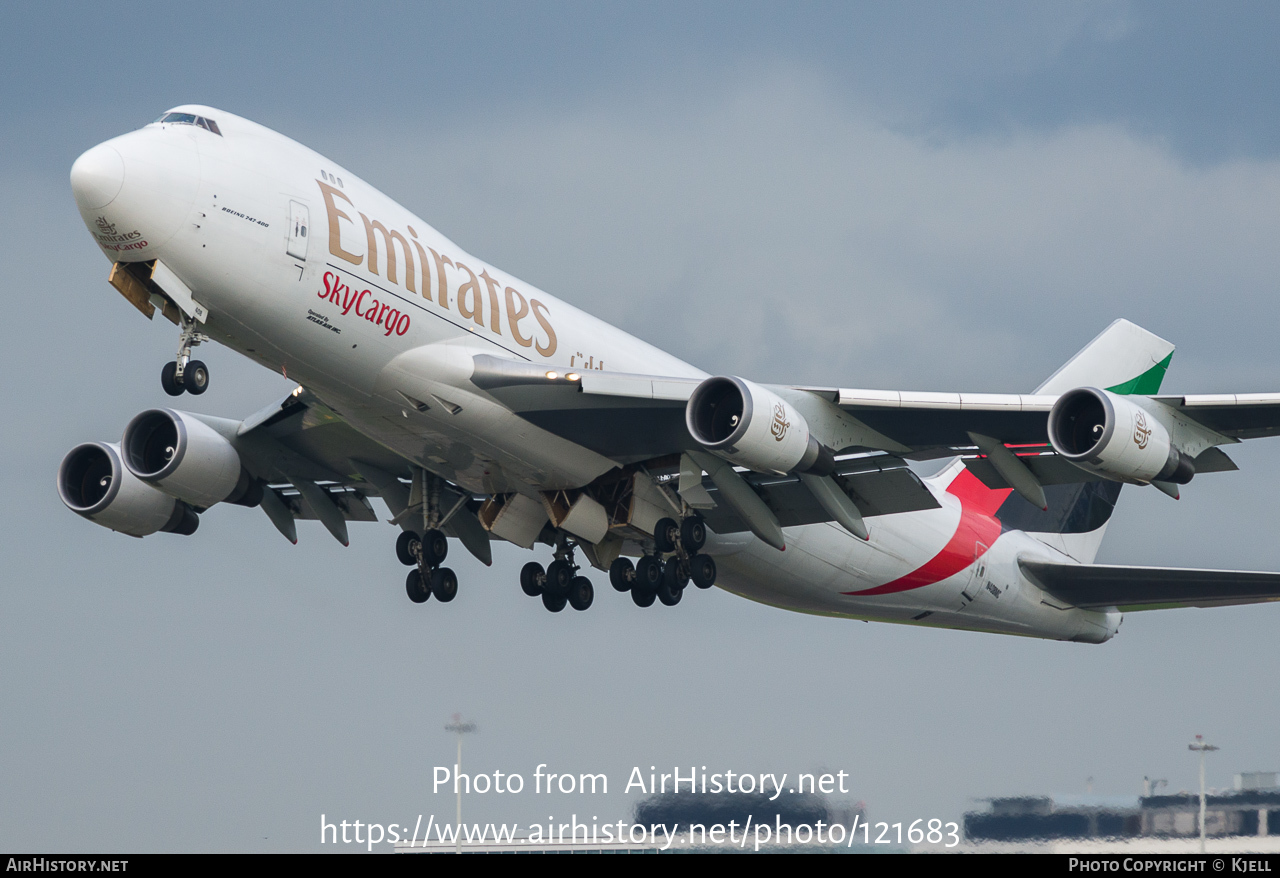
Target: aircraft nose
[135,191]
[97,177]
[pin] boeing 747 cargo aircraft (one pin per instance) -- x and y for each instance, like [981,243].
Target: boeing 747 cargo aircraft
[479,408]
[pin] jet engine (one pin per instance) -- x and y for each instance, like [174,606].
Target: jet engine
[93,483]
[1105,433]
[186,458]
[754,428]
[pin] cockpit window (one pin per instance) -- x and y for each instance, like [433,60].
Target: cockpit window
[190,119]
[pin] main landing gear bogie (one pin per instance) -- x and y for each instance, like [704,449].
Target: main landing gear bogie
[442,584]
[651,578]
[559,585]
[427,578]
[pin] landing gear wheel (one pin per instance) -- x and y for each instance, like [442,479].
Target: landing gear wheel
[693,533]
[407,547]
[674,575]
[669,594]
[665,534]
[559,575]
[195,378]
[648,574]
[642,597]
[531,578]
[702,569]
[435,546]
[621,574]
[169,379]
[581,593]
[413,585]
[444,585]
[554,603]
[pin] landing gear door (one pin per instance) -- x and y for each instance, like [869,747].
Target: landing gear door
[299,220]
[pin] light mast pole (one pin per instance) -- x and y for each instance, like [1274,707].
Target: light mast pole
[1199,744]
[461,729]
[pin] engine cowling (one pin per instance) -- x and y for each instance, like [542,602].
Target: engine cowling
[187,459]
[753,427]
[1107,434]
[94,483]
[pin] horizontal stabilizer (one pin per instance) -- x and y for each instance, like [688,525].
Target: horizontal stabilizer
[1097,586]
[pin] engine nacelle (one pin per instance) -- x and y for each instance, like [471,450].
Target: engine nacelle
[1107,434]
[186,458]
[93,483]
[753,427]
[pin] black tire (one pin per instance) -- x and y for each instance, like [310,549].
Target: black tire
[554,603]
[559,575]
[435,547]
[581,593]
[444,585]
[531,578]
[675,575]
[642,597]
[702,570]
[417,592]
[406,550]
[621,574]
[648,574]
[665,534]
[169,379]
[669,593]
[693,533]
[195,378]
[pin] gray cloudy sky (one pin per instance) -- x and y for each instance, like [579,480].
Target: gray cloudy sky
[925,196]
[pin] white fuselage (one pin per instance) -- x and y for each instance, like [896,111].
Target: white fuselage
[312,272]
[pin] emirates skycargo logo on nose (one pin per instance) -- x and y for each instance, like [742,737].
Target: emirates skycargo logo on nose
[110,239]
[365,304]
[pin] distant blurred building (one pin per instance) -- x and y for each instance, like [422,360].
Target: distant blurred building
[1252,808]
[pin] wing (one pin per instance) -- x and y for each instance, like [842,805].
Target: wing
[316,466]
[1237,415]
[1004,439]
[1098,586]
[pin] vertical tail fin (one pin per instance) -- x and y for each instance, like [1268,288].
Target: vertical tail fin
[1124,358]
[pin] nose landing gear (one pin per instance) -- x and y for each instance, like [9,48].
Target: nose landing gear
[184,374]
